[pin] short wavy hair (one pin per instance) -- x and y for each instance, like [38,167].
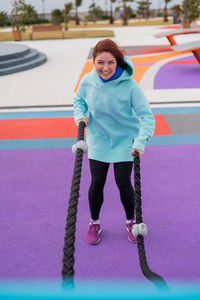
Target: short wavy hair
[108,45]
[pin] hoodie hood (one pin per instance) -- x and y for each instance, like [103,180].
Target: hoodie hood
[127,73]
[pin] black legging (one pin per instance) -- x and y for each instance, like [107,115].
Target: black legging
[122,172]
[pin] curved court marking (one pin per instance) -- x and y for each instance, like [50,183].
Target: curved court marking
[147,81]
[143,63]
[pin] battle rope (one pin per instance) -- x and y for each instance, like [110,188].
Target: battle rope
[155,278]
[70,229]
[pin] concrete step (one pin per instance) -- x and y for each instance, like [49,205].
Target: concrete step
[28,56]
[39,60]
[12,50]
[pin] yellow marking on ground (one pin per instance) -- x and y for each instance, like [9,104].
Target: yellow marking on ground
[86,69]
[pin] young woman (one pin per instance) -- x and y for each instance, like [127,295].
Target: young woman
[120,122]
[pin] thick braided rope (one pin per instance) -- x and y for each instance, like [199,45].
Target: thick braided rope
[70,229]
[155,278]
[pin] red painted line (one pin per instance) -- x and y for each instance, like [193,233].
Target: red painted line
[50,128]
[37,128]
[170,27]
[158,50]
[162,127]
[141,51]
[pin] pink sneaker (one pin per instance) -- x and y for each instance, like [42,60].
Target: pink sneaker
[93,234]
[129,227]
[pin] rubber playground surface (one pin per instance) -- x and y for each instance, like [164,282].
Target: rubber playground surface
[36,172]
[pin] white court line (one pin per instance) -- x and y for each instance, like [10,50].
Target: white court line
[147,81]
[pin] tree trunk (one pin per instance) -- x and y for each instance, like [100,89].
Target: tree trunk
[165,15]
[111,14]
[125,23]
[66,21]
[76,17]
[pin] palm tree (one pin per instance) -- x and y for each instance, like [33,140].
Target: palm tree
[185,7]
[77,4]
[66,11]
[43,9]
[143,8]
[111,12]
[165,11]
[191,11]
[125,21]
[125,17]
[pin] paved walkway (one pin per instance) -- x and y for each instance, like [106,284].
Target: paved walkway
[54,82]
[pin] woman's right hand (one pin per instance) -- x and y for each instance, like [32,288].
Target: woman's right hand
[82,120]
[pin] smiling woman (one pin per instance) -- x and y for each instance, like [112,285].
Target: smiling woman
[120,123]
[105,64]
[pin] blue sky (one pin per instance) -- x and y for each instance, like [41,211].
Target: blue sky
[49,5]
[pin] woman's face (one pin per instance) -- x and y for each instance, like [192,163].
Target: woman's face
[105,64]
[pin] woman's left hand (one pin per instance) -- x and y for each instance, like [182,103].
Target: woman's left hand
[141,153]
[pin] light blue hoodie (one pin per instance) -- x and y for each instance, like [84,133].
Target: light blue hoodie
[120,117]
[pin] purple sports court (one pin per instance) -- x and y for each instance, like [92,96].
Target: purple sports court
[35,187]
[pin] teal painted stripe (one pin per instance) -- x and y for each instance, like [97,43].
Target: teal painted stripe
[68,114]
[36,115]
[181,139]
[101,290]
[185,139]
[176,110]
[36,144]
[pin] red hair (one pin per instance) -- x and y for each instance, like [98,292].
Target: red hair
[108,45]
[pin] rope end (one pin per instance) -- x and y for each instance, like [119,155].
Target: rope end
[139,229]
[79,145]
